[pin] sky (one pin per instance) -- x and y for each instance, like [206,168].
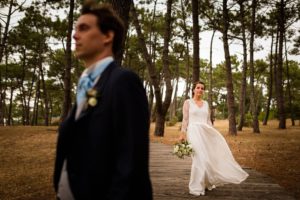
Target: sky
[235,48]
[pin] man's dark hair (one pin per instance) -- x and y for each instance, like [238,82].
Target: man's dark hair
[107,20]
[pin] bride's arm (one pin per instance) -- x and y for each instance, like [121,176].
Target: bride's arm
[208,116]
[185,118]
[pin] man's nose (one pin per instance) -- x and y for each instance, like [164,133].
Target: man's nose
[75,36]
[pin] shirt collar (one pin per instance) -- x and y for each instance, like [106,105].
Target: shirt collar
[96,65]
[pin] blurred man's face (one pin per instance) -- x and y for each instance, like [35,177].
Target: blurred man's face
[90,41]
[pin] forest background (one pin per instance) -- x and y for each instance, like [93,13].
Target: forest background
[39,72]
[246,51]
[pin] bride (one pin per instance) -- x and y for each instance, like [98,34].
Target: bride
[212,162]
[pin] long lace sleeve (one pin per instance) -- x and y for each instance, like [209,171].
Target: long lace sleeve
[208,116]
[185,117]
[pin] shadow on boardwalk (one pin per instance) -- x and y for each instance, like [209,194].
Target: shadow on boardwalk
[170,177]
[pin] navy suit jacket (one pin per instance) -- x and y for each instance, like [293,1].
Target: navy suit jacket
[107,147]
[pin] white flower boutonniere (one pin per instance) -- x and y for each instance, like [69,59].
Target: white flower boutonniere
[92,95]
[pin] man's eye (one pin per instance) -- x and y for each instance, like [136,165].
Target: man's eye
[83,28]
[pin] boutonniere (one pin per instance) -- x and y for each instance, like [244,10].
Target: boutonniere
[92,95]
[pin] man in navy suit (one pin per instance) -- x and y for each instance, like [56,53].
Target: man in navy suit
[103,145]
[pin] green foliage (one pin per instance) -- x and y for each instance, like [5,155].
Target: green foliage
[133,60]
[248,120]
[272,115]
[39,37]
[172,121]
[12,71]
[294,75]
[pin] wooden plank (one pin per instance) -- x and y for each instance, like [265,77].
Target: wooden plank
[170,178]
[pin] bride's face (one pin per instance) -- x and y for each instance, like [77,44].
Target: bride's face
[199,90]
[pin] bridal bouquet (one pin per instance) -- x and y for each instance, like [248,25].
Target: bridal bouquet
[183,148]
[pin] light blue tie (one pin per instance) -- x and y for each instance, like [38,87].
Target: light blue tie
[87,81]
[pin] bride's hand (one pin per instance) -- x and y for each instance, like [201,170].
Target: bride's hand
[182,137]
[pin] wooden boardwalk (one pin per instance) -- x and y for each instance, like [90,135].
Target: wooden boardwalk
[170,177]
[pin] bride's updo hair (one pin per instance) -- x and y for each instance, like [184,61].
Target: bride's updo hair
[195,84]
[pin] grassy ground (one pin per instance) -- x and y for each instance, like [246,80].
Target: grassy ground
[26,157]
[27,154]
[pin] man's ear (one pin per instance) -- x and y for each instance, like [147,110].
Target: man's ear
[109,37]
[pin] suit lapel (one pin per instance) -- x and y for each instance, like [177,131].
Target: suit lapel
[99,87]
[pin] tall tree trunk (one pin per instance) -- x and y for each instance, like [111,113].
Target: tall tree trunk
[35,113]
[45,95]
[4,87]
[122,8]
[5,34]
[244,73]
[159,129]
[196,64]
[3,111]
[292,115]
[276,62]
[230,96]
[1,89]
[9,116]
[161,107]
[67,78]
[279,83]
[50,110]
[3,41]
[30,93]
[187,53]
[152,49]
[150,99]
[270,84]
[210,92]
[2,98]
[175,103]
[253,99]
[21,86]
[23,104]
[152,46]
[154,80]
[173,106]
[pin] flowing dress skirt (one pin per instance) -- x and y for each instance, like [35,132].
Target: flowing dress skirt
[213,163]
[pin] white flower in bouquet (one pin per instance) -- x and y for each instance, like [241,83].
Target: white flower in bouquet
[175,150]
[183,148]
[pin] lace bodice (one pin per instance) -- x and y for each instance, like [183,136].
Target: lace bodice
[192,113]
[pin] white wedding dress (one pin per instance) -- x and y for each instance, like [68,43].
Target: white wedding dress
[213,163]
